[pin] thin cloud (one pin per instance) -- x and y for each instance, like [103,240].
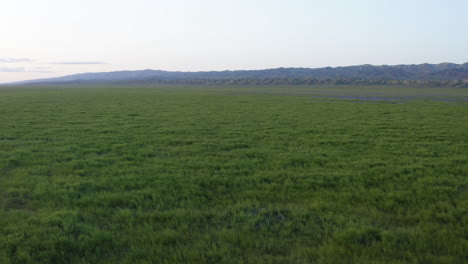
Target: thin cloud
[14,60]
[78,62]
[41,71]
[37,70]
[6,69]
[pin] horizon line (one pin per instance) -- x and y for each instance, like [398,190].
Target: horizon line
[263,69]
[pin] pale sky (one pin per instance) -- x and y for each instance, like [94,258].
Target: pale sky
[48,38]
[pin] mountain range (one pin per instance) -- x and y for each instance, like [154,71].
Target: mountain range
[420,72]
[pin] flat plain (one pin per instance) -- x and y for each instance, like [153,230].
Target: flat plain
[316,174]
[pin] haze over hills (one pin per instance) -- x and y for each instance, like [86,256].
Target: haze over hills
[363,73]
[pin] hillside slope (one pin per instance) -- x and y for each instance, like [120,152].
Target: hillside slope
[430,72]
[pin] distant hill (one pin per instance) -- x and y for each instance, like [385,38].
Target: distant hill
[361,74]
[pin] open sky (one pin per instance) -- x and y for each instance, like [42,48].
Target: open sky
[48,38]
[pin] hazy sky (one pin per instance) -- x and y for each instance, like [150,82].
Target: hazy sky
[47,38]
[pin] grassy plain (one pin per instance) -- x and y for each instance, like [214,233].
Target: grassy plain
[233,175]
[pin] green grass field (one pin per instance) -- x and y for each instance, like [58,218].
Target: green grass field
[233,175]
